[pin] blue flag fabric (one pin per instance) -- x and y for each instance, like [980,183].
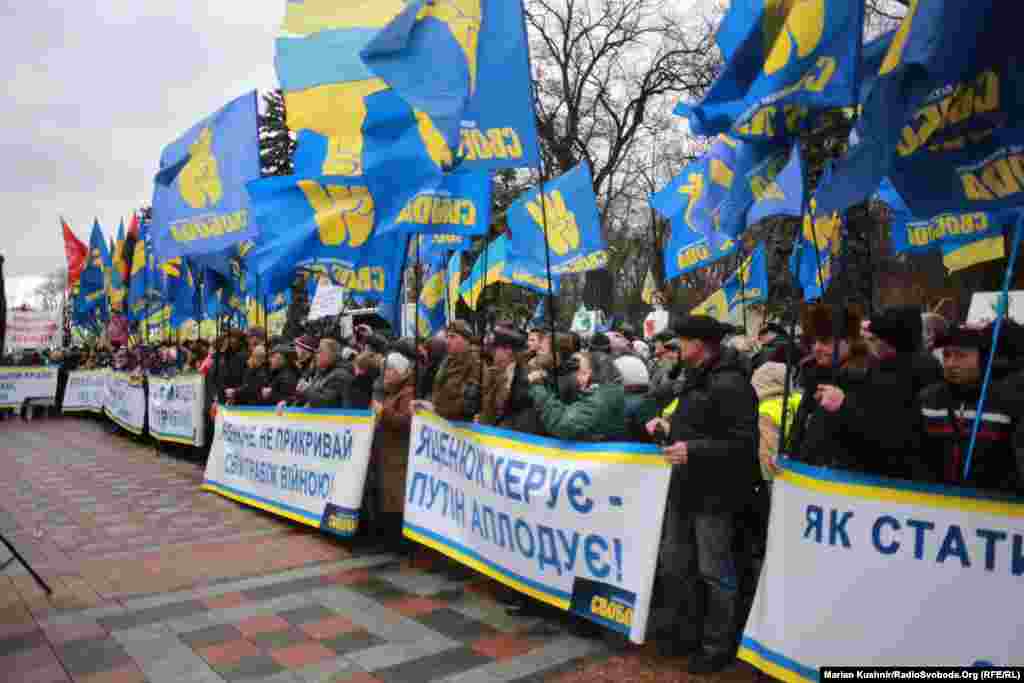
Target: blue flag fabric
[432,301]
[573,225]
[782,58]
[93,282]
[460,206]
[428,55]
[815,254]
[749,284]
[137,300]
[713,194]
[912,235]
[327,221]
[777,192]
[182,293]
[940,121]
[539,314]
[200,205]
[499,129]
[687,251]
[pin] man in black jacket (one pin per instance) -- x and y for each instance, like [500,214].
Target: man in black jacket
[327,389]
[712,445]
[283,376]
[254,379]
[948,411]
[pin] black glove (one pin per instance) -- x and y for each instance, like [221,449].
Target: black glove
[472,399]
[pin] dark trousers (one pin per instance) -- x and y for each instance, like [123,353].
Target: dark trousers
[700,578]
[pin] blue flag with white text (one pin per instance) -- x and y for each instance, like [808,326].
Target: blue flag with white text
[749,284]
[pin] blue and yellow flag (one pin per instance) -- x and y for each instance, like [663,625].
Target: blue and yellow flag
[945,230]
[349,122]
[782,59]
[433,296]
[496,264]
[116,286]
[428,54]
[200,205]
[714,194]
[816,252]
[973,252]
[941,118]
[454,279]
[687,251]
[93,283]
[749,284]
[182,293]
[489,269]
[459,207]
[320,63]
[567,212]
[137,299]
[329,224]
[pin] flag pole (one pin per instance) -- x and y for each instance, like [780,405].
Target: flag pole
[1003,313]
[416,320]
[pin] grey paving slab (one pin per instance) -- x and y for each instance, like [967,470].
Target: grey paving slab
[258,666]
[432,667]
[234,614]
[276,590]
[84,657]
[421,584]
[393,654]
[274,640]
[22,642]
[163,658]
[497,617]
[326,672]
[454,625]
[152,615]
[211,635]
[542,659]
[349,643]
[304,615]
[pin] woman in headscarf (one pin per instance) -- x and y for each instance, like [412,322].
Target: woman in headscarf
[391,443]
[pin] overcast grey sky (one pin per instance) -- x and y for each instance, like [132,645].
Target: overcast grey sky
[94,92]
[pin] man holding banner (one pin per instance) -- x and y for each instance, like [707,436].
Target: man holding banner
[712,444]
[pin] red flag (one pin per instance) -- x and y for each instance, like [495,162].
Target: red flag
[75,252]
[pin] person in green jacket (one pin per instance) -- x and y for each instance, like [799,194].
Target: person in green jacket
[599,411]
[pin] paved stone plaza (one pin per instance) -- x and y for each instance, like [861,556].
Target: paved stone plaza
[155,580]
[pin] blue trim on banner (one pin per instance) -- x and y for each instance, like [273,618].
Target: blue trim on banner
[267,501]
[483,560]
[844,477]
[779,659]
[547,442]
[272,410]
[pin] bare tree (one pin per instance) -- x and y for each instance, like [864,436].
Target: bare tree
[607,74]
[50,293]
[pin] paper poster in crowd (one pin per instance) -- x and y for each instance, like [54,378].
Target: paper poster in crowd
[306,465]
[20,384]
[125,402]
[176,410]
[86,391]
[574,525]
[885,573]
[329,300]
[985,306]
[32,329]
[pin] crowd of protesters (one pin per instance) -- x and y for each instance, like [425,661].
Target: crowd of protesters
[893,396]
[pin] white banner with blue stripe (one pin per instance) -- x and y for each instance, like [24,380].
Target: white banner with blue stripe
[574,525]
[864,571]
[125,401]
[303,464]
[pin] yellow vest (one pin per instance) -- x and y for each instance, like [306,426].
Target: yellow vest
[772,408]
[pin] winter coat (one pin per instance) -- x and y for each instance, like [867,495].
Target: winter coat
[360,390]
[875,431]
[391,445]
[282,384]
[229,371]
[947,417]
[327,388]
[639,409]
[717,418]
[250,393]
[598,413]
[456,394]
[666,382]
[506,403]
